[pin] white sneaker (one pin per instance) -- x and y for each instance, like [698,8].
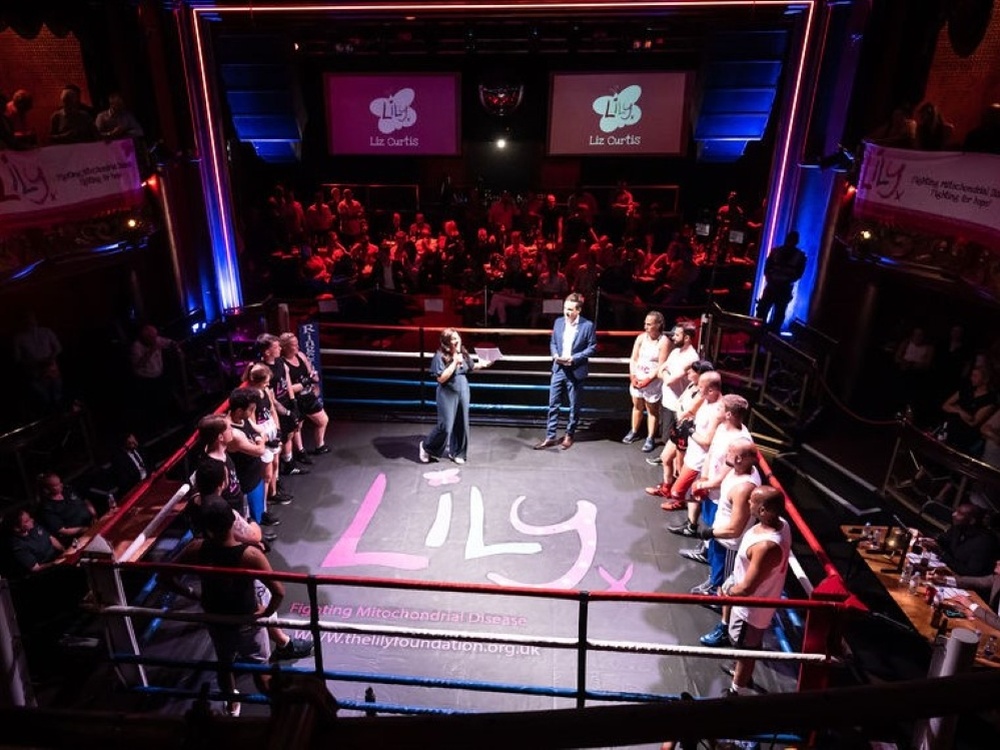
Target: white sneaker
[458,460]
[233,707]
[424,456]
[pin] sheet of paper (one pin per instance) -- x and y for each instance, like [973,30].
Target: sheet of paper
[487,354]
[950,592]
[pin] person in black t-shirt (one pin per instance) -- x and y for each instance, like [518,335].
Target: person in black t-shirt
[63,511]
[31,547]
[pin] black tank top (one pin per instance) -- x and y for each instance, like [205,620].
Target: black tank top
[222,594]
[249,469]
[232,492]
[299,372]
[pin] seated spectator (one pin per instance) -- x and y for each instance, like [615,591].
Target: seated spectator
[551,284]
[985,137]
[6,133]
[15,113]
[987,586]
[63,512]
[128,465]
[419,226]
[502,214]
[32,548]
[116,121]
[70,123]
[932,132]
[968,547]
[899,132]
[966,411]
[316,271]
[513,286]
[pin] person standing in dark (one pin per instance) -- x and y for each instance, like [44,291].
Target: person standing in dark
[449,366]
[234,596]
[573,343]
[784,266]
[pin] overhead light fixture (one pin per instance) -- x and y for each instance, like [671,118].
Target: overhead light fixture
[501,143]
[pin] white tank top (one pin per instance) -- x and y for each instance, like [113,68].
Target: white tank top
[771,586]
[731,481]
[716,461]
[694,457]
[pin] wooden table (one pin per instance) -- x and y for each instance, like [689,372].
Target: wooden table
[915,606]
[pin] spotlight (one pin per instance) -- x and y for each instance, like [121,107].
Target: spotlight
[864,235]
[501,143]
[131,223]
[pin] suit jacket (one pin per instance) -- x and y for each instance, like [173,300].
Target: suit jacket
[982,585]
[584,346]
[124,471]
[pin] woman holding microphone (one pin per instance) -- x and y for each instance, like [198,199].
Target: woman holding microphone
[449,366]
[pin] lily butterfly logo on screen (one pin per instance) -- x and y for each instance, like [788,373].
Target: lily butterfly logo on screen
[394,112]
[620,109]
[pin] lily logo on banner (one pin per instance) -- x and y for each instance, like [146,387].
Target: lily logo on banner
[619,110]
[394,112]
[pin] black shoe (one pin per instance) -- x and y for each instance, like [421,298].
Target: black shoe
[268,520]
[319,450]
[289,469]
[296,648]
[281,498]
[268,536]
[685,529]
[265,546]
[302,457]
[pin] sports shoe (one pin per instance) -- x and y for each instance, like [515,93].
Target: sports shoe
[289,469]
[673,504]
[458,460]
[319,450]
[630,437]
[649,445]
[717,637]
[695,554]
[425,457]
[268,520]
[302,457]
[654,461]
[281,498]
[296,648]
[685,529]
[268,536]
[232,708]
[705,588]
[660,490]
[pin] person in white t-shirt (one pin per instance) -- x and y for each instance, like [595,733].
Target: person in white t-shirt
[672,372]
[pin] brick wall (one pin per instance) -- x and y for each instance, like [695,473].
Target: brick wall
[962,87]
[42,65]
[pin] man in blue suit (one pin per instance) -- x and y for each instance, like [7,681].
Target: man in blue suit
[573,343]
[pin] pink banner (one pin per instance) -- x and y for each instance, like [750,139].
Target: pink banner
[63,183]
[936,191]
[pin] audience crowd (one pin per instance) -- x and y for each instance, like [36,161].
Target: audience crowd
[73,121]
[505,256]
